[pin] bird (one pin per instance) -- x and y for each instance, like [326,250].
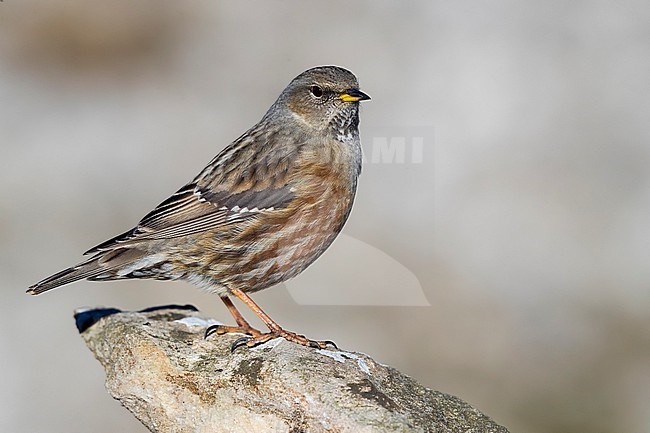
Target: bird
[264,209]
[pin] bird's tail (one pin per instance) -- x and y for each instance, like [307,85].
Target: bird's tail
[105,265]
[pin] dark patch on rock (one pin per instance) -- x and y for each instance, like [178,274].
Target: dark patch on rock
[366,389]
[297,422]
[85,319]
[181,336]
[249,371]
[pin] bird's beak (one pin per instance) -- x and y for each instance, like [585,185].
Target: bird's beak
[353,95]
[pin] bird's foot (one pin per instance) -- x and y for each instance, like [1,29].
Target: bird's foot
[224,329]
[287,335]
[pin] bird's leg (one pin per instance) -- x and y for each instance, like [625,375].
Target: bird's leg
[275,329]
[243,326]
[243,323]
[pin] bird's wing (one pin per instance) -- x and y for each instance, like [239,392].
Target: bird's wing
[245,180]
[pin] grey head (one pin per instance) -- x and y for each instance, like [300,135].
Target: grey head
[322,97]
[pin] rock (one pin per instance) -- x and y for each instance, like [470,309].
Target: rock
[161,368]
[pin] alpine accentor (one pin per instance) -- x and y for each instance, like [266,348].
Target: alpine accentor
[263,209]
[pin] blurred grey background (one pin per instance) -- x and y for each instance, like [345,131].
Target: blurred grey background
[525,222]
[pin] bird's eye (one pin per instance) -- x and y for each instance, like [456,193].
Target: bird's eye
[316,91]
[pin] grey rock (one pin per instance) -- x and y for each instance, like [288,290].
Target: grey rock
[161,368]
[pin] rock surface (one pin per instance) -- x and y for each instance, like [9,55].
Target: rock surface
[159,366]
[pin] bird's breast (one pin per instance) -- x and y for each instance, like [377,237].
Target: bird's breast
[296,236]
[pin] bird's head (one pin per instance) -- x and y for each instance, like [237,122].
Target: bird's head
[324,96]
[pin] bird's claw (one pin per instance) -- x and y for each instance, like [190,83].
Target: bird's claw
[211,330]
[241,341]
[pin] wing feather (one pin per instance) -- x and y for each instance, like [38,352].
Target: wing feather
[220,196]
